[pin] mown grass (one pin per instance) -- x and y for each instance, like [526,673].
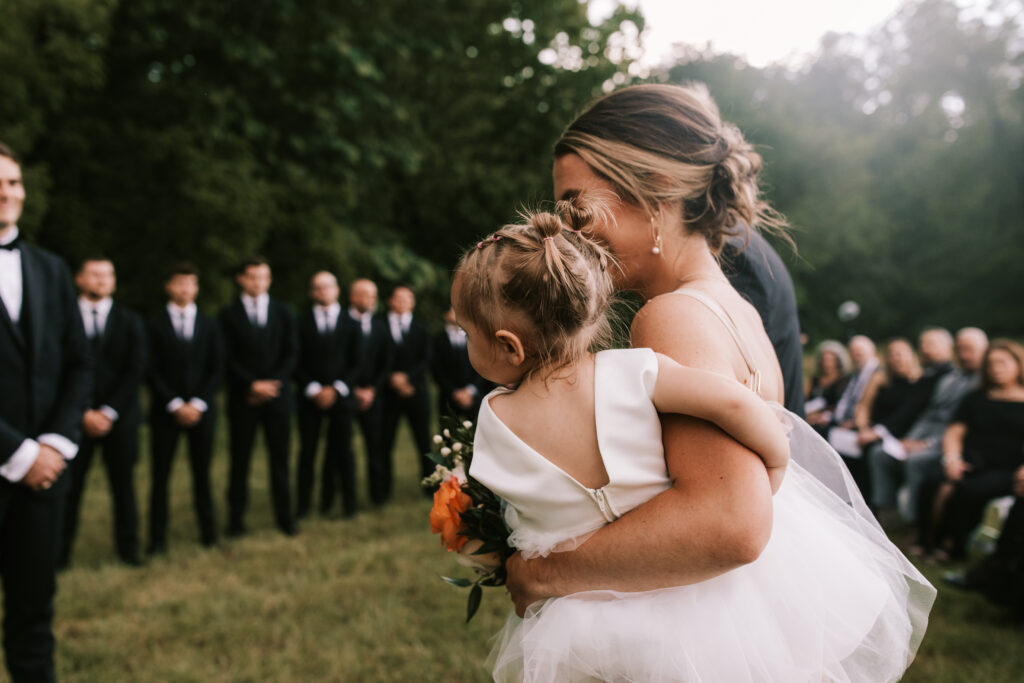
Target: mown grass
[353,600]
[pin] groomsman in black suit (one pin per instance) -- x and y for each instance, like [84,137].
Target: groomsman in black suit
[186,369]
[262,348]
[369,382]
[406,392]
[44,389]
[328,348]
[118,341]
[459,388]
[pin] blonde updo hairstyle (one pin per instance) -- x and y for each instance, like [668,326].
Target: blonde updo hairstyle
[660,145]
[545,280]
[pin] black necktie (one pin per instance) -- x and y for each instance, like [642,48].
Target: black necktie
[182,335]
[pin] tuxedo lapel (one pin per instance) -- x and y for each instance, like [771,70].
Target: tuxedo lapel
[32,298]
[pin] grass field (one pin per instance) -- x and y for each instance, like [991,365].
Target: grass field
[354,600]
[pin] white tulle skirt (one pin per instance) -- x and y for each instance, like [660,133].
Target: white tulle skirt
[829,599]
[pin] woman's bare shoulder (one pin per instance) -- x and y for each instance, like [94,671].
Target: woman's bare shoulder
[683,329]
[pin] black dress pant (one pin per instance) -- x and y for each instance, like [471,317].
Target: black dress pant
[416,409]
[276,421]
[963,510]
[339,468]
[165,431]
[120,453]
[30,532]
[378,470]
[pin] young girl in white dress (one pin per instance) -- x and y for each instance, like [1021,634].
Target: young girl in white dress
[577,444]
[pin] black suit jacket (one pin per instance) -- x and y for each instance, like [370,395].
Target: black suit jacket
[45,367]
[412,356]
[327,359]
[758,274]
[375,354]
[120,364]
[185,370]
[452,370]
[256,353]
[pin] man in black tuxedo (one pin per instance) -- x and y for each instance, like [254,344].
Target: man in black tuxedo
[760,276]
[44,389]
[369,381]
[459,388]
[406,392]
[186,369]
[118,342]
[261,347]
[328,348]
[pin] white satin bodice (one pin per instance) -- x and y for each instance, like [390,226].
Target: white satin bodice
[546,506]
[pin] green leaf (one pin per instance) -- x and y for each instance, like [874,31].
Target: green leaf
[461,583]
[473,603]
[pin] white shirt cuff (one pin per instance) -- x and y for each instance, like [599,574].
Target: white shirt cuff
[312,389]
[341,388]
[18,465]
[199,404]
[109,412]
[174,404]
[61,444]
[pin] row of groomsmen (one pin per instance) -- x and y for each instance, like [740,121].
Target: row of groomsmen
[349,366]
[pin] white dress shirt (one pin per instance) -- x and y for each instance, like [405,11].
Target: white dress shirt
[10,279]
[183,320]
[326,318]
[365,320]
[21,461]
[457,337]
[102,308]
[399,325]
[256,307]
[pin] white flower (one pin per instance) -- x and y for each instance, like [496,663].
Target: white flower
[467,424]
[457,446]
[446,433]
[446,451]
[438,440]
[460,474]
[457,461]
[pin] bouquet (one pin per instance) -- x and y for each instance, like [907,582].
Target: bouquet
[465,512]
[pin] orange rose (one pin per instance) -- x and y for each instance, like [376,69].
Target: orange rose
[446,515]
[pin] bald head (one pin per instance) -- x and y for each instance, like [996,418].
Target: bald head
[323,288]
[362,295]
[936,346]
[971,343]
[862,350]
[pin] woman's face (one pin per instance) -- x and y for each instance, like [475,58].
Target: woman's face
[1003,370]
[899,356]
[829,363]
[628,234]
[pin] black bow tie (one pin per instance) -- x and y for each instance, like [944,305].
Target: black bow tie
[12,245]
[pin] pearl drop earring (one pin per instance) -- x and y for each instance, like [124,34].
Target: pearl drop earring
[656,249]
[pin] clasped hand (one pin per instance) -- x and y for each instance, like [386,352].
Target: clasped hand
[48,466]
[263,390]
[95,424]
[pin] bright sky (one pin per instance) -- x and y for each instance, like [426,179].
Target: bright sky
[763,31]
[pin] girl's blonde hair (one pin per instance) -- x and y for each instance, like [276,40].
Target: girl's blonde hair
[660,144]
[544,279]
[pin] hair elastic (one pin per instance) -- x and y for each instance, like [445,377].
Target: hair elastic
[545,239]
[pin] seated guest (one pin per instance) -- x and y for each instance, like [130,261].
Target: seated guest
[1000,576]
[981,451]
[891,402]
[831,375]
[921,448]
[865,362]
[459,388]
[186,371]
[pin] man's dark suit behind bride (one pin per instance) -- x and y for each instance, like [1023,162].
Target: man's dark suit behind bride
[44,389]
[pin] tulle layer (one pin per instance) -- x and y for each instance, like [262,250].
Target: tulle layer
[830,599]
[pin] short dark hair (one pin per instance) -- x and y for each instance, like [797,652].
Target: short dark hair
[6,151]
[92,258]
[251,261]
[182,268]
